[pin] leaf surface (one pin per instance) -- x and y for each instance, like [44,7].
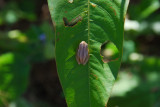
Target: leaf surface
[95,22]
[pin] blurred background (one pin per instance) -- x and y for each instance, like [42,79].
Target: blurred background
[28,76]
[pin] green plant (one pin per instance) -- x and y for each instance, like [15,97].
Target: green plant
[14,71]
[96,22]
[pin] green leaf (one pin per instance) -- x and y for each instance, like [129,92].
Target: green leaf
[14,71]
[143,9]
[95,22]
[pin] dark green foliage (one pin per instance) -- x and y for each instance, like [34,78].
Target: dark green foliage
[14,71]
[27,37]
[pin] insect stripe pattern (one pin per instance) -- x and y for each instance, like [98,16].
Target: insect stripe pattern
[82,55]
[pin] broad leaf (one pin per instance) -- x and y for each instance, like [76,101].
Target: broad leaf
[95,22]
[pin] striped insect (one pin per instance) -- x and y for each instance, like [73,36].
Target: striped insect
[82,55]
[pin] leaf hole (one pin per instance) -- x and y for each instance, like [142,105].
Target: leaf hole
[109,52]
[70,1]
[73,22]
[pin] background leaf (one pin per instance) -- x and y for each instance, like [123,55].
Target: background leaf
[143,9]
[87,85]
[14,71]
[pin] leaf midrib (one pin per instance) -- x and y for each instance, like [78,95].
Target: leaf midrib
[89,53]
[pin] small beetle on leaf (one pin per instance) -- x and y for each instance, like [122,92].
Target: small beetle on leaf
[82,55]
